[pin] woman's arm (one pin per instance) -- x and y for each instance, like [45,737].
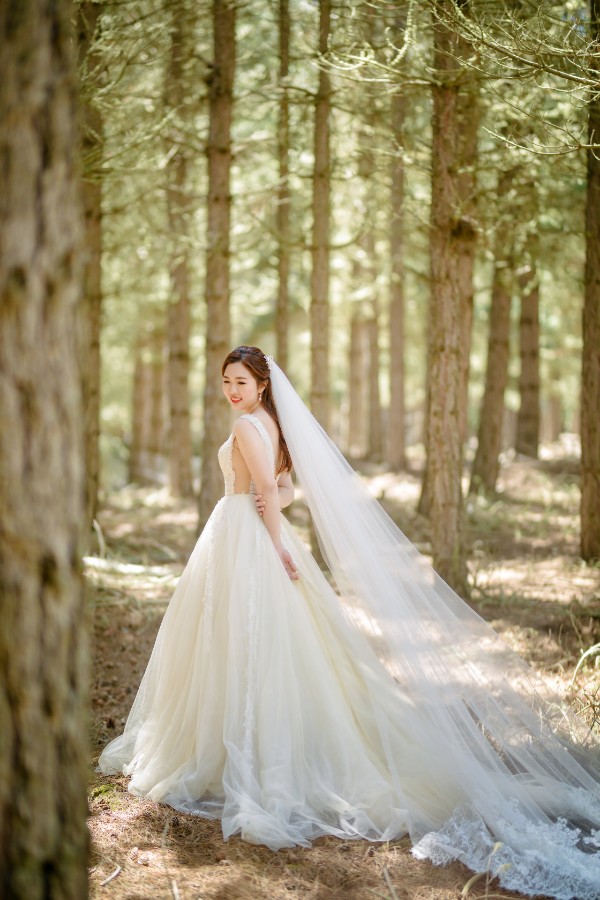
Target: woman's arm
[285,487]
[285,490]
[252,449]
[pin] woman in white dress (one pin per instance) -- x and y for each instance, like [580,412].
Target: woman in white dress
[291,711]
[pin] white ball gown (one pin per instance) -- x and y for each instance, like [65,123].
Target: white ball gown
[266,703]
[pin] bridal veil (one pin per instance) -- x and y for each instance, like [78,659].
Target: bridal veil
[524,767]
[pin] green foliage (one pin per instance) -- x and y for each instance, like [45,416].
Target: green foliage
[377,48]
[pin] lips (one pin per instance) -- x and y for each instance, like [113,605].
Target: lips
[238,400]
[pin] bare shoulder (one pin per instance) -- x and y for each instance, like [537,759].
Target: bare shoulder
[243,430]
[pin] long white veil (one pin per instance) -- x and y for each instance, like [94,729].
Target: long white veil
[524,770]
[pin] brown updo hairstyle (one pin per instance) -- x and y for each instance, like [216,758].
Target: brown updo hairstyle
[256,362]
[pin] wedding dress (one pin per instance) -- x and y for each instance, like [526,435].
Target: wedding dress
[291,711]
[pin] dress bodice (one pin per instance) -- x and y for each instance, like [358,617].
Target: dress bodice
[226,455]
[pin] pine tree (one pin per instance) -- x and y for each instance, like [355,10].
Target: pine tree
[216,414]
[43,642]
[590,372]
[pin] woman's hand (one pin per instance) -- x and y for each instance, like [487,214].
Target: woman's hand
[288,563]
[261,503]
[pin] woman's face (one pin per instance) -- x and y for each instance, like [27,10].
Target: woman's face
[240,387]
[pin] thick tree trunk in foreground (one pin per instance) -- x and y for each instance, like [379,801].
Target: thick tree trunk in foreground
[92,145]
[216,413]
[179,209]
[283,190]
[396,448]
[452,243]
[489,437]
[590,371]
[528,418]
[43,644]
[319,281]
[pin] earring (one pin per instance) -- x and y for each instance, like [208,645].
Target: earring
[260,396]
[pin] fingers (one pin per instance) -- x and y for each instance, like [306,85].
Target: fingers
[290,567]
[260,504]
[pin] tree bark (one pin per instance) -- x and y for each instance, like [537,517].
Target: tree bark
[141,406]
[358,365]
[43,639]
[528,417]
[91,67]
[396,446]
[179,209]
[452,243]
[216,413]
[590,369]
[283,189]
[375,423]
[157,431]
[319,282]
[486,464]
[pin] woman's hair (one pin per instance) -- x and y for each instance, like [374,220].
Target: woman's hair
[256,361]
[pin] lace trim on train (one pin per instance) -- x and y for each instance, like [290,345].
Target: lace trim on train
[551,858]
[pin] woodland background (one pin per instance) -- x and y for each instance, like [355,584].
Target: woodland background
[400,201]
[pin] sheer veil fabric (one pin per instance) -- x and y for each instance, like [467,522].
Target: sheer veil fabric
[521,771]
[291,710]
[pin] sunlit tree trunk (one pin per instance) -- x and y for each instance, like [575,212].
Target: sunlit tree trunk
[486,464]
[216,413]
[528,418]
[358,365]
[92,147]
[283,189]
[43,638]
[180,222]
[396,449]
[590,371]
[319,282]
[452,243]
[157,431]
[141,406]
[375,421]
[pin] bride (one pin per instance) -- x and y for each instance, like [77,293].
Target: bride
[291,710]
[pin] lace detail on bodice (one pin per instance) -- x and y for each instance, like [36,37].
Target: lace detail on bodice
[226,455]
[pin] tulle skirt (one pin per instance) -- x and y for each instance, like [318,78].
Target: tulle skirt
[262,704]
[265,704]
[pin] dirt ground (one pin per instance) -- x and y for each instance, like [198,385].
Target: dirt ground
[527,581]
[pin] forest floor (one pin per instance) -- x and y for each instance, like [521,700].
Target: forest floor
[527,581]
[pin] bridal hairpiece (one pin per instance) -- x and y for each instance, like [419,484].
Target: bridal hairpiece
[269,361]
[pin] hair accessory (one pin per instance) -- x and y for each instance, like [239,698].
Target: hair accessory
[269,361]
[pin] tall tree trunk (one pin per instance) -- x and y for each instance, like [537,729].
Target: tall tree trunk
[528,418]
[141,407]
[375,423]
[590,370]
[179,208]
[283,189]
[43,638]
[452,242]
[157,431]
[358,365]
[396,447]
[319,282]
[92,146]
[216,413]
[486,464]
